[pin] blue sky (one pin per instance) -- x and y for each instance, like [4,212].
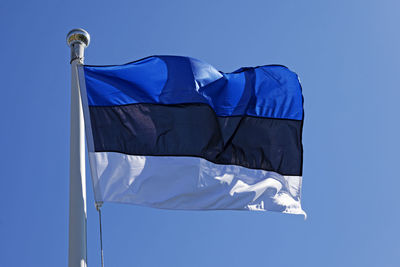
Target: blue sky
[347,56]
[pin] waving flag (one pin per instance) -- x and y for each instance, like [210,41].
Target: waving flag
[175,133]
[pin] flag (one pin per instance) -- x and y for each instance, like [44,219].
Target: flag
[173,132]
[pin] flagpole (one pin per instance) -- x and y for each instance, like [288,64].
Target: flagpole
[77,40]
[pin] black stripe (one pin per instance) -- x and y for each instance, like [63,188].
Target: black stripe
[195,130]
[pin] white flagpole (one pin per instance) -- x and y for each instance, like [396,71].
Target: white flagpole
[78,40]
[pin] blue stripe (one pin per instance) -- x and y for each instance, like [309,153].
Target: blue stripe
[266,91]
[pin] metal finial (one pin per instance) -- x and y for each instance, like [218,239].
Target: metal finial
[78,40]
[78,36]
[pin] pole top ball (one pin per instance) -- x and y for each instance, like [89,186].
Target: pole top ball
[78,36]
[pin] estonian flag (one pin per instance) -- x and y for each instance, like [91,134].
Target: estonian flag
[175,133]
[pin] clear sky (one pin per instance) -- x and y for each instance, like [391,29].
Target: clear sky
[346,53]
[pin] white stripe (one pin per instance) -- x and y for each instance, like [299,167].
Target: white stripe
[192,183]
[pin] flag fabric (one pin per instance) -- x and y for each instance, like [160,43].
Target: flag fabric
[175,133]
